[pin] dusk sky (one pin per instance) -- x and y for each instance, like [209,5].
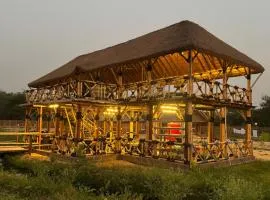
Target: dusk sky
[38,36]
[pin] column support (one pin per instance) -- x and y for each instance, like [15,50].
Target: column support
[137,125]
[78,121]
[40,125]
[61,123]
[96,124]
[131,124]
[57,122]
[188,114]
[223,114]
[49,122]
[248,115]
[210,127]
[118,129]
[150,122]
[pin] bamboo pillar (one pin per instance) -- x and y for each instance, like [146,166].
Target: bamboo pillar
[57,121]
[248,115]
[137,125]
[210,127]
[223,114]
[188,114]
[119,115]
[111,129]
[118,129]
[104,125]
[131,124]
[40,125]
[149,122]
[61,123]
[78,121]
[96,124]
[49,121]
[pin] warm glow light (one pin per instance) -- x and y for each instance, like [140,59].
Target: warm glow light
[53,106]
[169,111]
[110,111]
[168,107]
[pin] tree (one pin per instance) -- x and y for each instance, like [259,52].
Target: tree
[10,106]
[262,114]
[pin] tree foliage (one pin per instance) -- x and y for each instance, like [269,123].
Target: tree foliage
[262,114]
[10,108]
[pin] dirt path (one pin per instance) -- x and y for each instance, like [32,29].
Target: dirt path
[261,150]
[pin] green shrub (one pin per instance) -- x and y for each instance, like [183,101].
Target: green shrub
[83,180]
[265,137]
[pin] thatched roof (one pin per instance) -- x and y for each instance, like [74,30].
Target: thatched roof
[179,37]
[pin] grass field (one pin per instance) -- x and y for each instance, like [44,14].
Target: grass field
[22,178]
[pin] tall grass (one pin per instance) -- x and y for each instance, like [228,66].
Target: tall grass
[32,179]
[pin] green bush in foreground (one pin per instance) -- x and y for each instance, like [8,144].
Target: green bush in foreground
[265,137]
[82,180]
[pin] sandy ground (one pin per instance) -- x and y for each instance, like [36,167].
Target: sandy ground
[36,156]
[115,163]
[261,150]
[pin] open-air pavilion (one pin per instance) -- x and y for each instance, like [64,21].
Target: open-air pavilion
[115,100]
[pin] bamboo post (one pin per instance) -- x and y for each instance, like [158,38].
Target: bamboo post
[137,125]
[248,115]
[150,122]
[131,124]
[57,121]
[104,125]
[96,124]
[78,121]
[111,129]
[118,129]
[223,114]
[119,115]
[49,122]
[30,144]
[188,114]
[61,123]
[210,127]
[40,125]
